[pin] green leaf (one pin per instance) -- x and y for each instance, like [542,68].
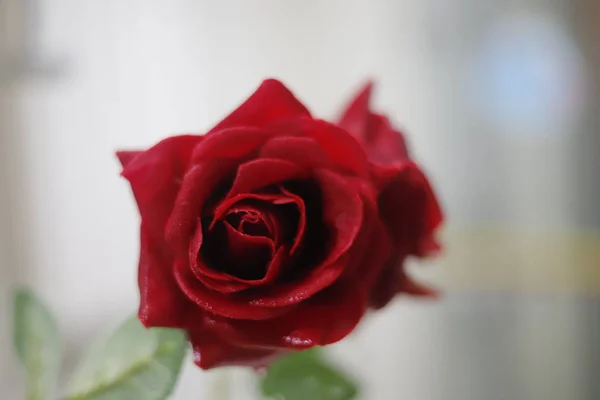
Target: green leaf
[132,363]
[305,375]
[37,343]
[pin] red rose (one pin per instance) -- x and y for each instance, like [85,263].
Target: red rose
[384,144]
[406,201]
[264,235]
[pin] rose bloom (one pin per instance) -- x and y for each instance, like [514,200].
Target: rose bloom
[406,201]
[272,232]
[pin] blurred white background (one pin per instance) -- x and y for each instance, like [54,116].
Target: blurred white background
[498,99]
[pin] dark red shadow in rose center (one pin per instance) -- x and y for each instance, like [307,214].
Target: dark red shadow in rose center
[243,240]
[250,223]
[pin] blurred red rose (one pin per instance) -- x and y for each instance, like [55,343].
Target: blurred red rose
[406,202]
[264,235]
[383,143]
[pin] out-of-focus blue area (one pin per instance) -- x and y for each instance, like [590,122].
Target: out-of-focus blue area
[530,77]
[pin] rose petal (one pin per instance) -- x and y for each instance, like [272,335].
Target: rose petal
[126,156]
[342,211]
[392,281]
[257,174]
[226,283]
[219,285]
[323,319]
[239,143]
[355,118]
[162,303]
[155,176]
[327,318]
[411,213]
[283,228]
[299,234]
[288,294]
[386,285]
[265,226]
[341,148]
[238,201]
[383,174]
[372,248]
[373,262]
[301,151]
[246,253]
[211,351]
[198,185]
[410,209]
[370,218]
[384,143]
[196,241]
[242,244]
[213,279]
[271,102]
[343,214]
[228,306]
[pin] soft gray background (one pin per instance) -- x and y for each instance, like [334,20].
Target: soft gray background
[79,78]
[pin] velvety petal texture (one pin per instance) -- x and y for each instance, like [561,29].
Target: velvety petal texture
[383,143]
[407,204]
[276,231]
